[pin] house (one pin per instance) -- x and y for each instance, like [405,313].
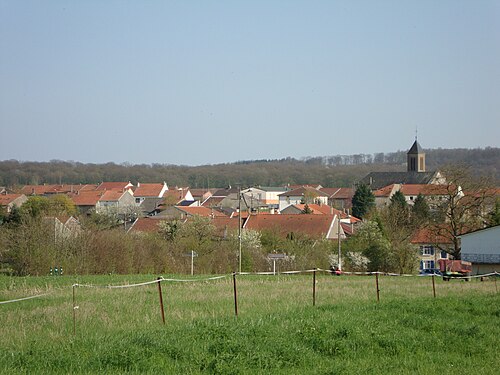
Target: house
[144,191]
[340,198]
[149,197]
[433,194]
[415,174]
[201,195]
[482,249]
[118,201]
[432,247]
[48,190]
[266,196]
[290,226]
[304,194]
[145,225]
[176,195]
[86,201]
[104,200]
[9,201]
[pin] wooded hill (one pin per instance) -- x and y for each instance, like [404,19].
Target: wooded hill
[338,170]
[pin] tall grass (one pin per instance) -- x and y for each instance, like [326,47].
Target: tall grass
[277,329]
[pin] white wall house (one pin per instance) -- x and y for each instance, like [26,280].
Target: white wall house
[482,249]
[304,194]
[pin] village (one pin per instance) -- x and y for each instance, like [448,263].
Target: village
[292,211]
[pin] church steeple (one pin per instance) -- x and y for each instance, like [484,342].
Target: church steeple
[416,158]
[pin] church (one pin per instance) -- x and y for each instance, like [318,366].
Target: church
[415,173]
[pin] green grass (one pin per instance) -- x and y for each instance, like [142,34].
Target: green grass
[277,329]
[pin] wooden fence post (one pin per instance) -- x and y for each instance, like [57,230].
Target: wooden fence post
[74,311]
[378,290]
[235,295]
[161,300]
[314,287]
[433,286]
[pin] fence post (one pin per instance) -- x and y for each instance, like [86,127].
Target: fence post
[74,311]
[378,290]
[235,295]
[161,300]
[314,287]
[496,276]
[433,286]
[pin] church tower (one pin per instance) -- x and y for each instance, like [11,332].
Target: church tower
[416,158]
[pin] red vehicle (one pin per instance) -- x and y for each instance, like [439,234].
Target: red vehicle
[455,268]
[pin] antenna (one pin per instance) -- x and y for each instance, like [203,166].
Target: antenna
[416,132]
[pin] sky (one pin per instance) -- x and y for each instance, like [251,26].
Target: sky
[206,82]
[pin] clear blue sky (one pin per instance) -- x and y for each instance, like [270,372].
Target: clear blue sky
[203,82]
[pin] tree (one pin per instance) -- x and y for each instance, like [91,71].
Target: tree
[420,209]
[398,228]
[362,201]
[307,209]
[35,206]
[461,209]
[61,204]
[370,241]
[170,228]
[309,197]
[399,200]
[494,215]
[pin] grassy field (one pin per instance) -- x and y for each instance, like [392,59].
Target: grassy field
[277,330]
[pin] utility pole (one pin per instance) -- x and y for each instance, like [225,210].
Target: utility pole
[239,227]
[340,251]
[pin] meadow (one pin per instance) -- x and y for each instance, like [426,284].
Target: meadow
[277,330]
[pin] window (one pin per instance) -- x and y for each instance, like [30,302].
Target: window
[427,264]
[426,250]
[444,254]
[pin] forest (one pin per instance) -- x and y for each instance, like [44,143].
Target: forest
[338,171]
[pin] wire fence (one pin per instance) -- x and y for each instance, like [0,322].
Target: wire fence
[234,277]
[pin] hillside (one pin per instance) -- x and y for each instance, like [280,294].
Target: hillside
[338,170]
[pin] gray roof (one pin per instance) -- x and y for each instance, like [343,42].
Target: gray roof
[149,205]
[378,180]
[415,148]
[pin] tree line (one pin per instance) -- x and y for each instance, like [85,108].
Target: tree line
[338,171]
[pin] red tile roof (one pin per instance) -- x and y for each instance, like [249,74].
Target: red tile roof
[6,199]
[201,211]
[322,209]
[148,190]
[54,189]
[310,225]
[415,189]
[384,192]
[86,198]
[111,196]
[113,186]
[429,236]
[175,194]
[344,193]
[145,224]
